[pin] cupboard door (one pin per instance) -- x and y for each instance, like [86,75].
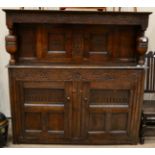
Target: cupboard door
[108,108]
[45,111]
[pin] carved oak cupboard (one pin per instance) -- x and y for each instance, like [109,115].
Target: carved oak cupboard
[76,77]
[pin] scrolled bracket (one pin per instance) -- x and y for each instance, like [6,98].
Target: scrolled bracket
[11,46]
[142,46]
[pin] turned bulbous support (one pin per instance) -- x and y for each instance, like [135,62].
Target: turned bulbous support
[142,46]
[11,46]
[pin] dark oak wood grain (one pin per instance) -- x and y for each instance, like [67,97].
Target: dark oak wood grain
[75,78]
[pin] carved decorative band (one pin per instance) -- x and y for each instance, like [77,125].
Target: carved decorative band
[73,75]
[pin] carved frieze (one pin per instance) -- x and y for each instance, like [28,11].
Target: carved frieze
[75,75]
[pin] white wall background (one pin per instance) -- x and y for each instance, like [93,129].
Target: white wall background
[4,57]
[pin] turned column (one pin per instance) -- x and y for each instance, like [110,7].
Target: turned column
[142,46]
[11,45]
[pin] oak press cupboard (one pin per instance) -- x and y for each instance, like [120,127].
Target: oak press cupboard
[76,77]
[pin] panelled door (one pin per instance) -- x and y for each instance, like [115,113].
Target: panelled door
[107,113]
[46,111]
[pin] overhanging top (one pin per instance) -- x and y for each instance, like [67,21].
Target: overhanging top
[77,17]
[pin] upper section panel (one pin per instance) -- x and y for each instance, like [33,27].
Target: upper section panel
[85,37]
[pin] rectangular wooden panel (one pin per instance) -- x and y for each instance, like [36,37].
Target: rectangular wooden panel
[98,42]
[56,122]
[119,122]
[33,122]
[97,122]
[56,43]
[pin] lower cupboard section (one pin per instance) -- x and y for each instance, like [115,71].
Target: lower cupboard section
[76,106]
